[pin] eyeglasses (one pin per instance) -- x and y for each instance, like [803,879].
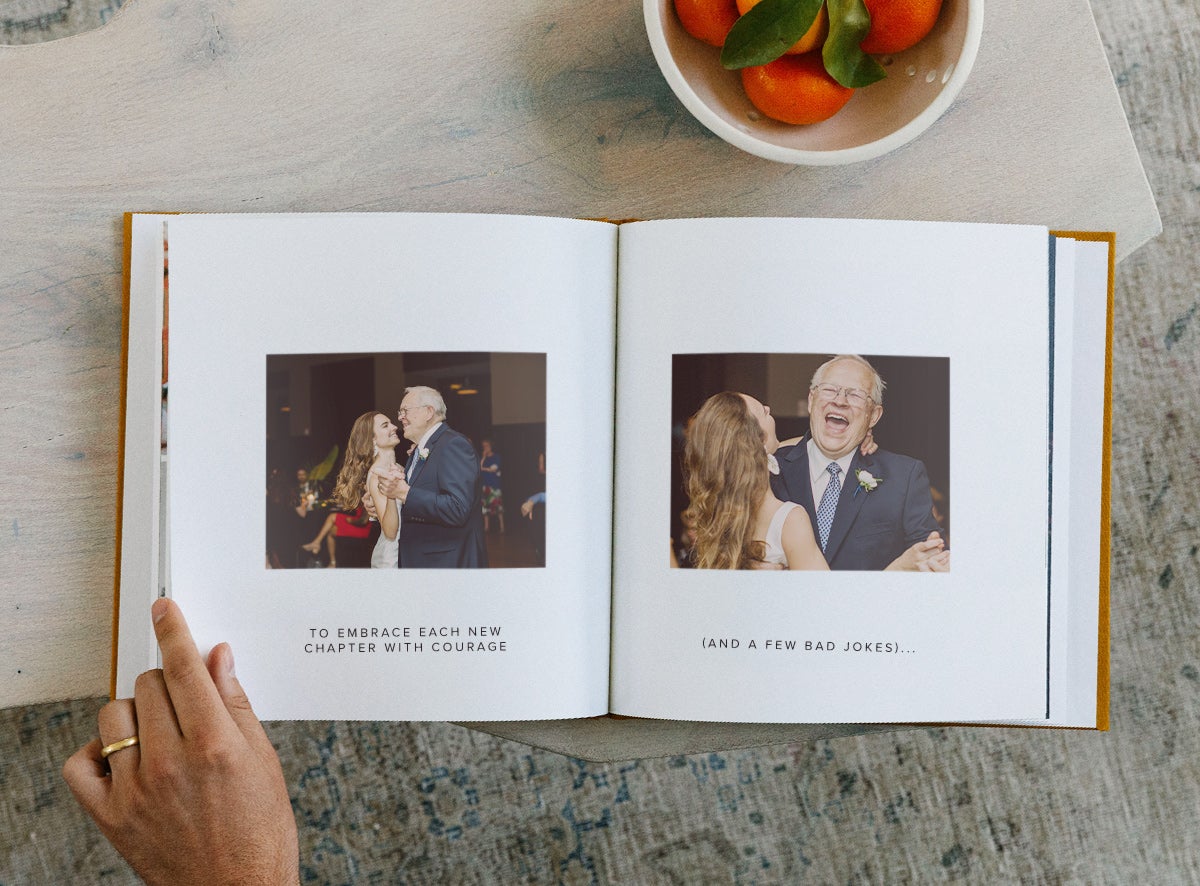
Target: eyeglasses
[404,410]
[855,396]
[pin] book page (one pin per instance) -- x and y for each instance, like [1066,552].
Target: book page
[1081,346]
[1062,515]
[143,458]
[1079,523]
[956,318]
[288,335]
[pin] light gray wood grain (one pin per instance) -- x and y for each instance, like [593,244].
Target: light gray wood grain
[532,107]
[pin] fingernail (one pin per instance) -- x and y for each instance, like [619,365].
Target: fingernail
[158,610]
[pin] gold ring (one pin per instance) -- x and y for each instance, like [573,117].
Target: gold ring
[118,746]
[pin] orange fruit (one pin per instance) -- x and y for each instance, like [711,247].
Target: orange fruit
[795,89]
[707,20]
[813,37]
[898,24]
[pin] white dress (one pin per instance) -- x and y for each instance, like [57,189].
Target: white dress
[774,539]
[387,552]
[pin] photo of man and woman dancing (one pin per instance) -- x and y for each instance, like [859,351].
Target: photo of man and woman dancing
[829,497]
[409,487]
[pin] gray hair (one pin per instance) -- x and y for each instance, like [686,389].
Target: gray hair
[877,383]
[427,396]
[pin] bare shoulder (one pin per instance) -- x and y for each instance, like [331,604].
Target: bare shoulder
[797,520]
[373,475]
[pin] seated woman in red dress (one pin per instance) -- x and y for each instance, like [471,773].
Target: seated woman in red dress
[340,525]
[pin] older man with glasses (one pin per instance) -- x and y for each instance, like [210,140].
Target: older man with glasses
[439,491]
[865,509]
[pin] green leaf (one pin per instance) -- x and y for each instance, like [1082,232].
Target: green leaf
[322,470]
[768,31]
[849,23]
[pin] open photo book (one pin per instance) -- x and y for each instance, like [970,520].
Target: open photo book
[486,467]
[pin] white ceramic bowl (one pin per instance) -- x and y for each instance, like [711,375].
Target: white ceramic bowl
[921,83]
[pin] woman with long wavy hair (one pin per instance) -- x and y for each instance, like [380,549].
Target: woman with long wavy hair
[731,503]
[737,520]
[370,451]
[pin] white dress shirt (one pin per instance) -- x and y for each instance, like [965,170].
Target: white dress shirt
[421,445]
[818,476]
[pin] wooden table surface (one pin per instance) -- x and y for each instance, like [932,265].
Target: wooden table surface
[543,107]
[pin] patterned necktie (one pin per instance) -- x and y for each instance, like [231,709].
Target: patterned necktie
[828,503]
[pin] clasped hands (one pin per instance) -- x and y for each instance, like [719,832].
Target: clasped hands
[392,484]
[929,555]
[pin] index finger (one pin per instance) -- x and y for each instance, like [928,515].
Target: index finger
[194,696]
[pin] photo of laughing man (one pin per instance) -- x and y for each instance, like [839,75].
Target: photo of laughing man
[867,509]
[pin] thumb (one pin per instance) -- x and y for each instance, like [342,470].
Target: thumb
[220,668]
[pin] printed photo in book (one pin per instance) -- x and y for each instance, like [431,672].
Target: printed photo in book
[405,460]
[792,461]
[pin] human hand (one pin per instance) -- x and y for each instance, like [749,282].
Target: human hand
[201,798]
[393,484]
[924,555]
[939,562]
[527,509]
[868,445]
[918,557]
[368,504]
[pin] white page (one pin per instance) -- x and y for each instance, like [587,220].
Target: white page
[245,287]
[1091,319]
[1063,432]
[974,640]
[142,478]
[1081,347]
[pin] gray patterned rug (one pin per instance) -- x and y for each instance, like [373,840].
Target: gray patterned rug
[35,21]
[435,803]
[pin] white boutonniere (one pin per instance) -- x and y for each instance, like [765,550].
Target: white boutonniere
[866,481]
[772,464]
[423,453]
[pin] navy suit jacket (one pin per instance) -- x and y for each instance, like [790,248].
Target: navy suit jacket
[441,520]
[870,529]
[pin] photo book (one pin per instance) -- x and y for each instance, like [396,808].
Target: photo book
[492,467]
